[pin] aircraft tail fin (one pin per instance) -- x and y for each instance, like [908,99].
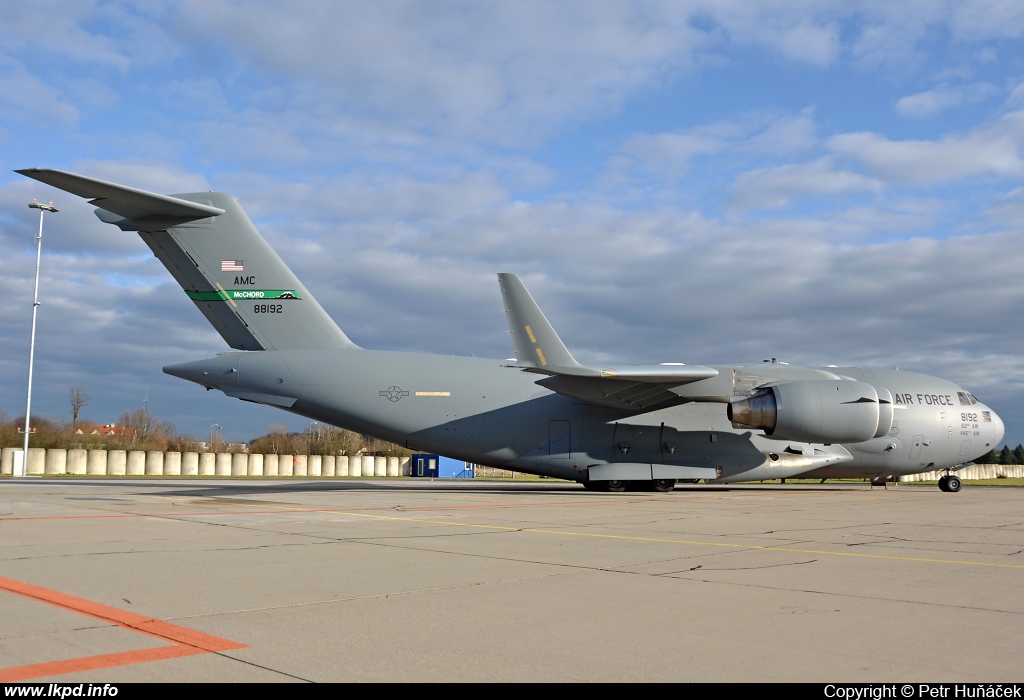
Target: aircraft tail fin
[535,342]
[206,241]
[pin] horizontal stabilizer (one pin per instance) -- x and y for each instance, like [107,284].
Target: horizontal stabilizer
[126,202]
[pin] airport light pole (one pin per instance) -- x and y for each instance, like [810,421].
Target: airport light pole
[22,469]
[212,428]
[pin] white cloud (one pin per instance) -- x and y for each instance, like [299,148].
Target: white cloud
[925,104]
[986,19]
[503,70]
[777,187]
[670,154]
[26,98]
[991,149]
[58,27]
[931,102]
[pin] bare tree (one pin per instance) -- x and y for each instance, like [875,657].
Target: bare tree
[142,430]
[78,399]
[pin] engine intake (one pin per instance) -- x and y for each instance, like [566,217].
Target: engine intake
[823,411]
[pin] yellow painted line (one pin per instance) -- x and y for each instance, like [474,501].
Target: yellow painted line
[632,538]
[529,332]
[540,354]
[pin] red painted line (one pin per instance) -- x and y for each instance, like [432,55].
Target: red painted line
[184,641]
[16,674]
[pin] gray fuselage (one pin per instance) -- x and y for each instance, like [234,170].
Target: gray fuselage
[480,411]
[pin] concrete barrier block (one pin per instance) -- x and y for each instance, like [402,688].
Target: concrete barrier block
[154,463]
[7,460]
[239,464]
[56,461]
[407,466]
[172,464]
[77,460]
[394,466]
[117,463]
[222,464]
[190,464]
[36,463]
[380,466]
[270,463]
[328,465]
[300,465]
[285,465]
[341,465]
[314,465]
[254,466]
[136,463]
[355,465]
[96,462]
[207,464]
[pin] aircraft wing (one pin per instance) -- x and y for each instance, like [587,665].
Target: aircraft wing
[538,349]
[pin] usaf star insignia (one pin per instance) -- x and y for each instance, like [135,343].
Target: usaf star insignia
[393,393]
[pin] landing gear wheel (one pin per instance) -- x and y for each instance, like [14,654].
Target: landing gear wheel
[944,484]
[952,483]
[663,485]
[615,486]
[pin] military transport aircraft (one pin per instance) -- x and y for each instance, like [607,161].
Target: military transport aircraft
[545,413]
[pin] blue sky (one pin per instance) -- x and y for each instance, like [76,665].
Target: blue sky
[711,182]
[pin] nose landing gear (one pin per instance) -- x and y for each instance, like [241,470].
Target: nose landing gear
[949,483]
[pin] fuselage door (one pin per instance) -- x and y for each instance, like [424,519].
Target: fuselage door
[559,439]
[915,449]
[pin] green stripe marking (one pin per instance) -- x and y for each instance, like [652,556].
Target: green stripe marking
[243,294]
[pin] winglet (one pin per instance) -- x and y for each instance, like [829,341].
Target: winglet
[536,344]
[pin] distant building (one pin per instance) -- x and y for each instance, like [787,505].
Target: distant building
[108,430]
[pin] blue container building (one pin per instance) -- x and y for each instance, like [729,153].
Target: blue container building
[440,467]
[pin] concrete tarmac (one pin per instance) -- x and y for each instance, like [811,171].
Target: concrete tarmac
[109,580]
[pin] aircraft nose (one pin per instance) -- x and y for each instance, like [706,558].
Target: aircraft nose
[998,429]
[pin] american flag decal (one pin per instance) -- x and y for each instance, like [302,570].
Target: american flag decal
[986,416]
[231,266]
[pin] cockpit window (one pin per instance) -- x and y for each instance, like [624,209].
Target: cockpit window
[966,398]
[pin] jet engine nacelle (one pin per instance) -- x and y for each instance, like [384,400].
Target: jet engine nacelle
[817,411]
